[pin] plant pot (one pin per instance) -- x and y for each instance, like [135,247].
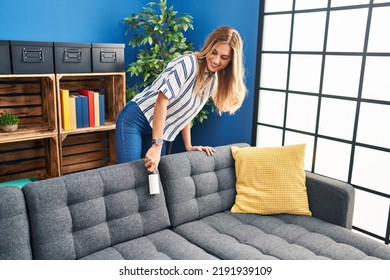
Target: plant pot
[9,128]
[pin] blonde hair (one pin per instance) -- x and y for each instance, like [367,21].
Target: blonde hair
[230,90]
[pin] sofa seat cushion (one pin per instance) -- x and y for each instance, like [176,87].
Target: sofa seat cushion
[162,245]
[250,236]
[79,214]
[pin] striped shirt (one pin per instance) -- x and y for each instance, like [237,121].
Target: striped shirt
[177,83]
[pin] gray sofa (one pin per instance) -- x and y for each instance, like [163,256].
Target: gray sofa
[107,213]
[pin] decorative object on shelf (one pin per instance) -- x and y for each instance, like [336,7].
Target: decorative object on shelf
[9,122]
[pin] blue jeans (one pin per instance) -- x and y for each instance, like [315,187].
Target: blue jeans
[133,135]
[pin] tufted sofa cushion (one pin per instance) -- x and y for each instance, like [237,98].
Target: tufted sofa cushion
[79,214]
[14,226]
[196,185]
[286,237]
[161,245]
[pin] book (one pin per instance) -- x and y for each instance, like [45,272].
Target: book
[79,112]
[85,113]
[65,114]
[91,106]
[101,109]
[72,111]
[96,108]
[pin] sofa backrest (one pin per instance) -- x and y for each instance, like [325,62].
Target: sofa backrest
[82,213]
[197,185]
[14,226]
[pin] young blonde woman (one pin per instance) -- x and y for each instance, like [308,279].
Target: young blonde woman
[168,105]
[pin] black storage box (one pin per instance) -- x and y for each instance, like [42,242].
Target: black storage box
[32,57]
[72,57]
[108,57]
[5,58]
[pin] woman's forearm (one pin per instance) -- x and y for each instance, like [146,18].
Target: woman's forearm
[186,134]
[152,156]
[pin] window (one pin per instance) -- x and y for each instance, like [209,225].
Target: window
[324,80]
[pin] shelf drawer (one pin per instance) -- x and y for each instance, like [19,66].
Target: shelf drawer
[108,57]
[72,57]
[5,57]
[29,57]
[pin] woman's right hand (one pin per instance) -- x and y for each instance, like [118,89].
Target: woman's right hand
[152,157]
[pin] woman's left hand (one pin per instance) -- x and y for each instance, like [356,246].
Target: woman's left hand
[209,150]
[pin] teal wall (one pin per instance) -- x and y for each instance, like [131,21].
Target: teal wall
[102,21]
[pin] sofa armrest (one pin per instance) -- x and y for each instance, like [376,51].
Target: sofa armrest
[330,200]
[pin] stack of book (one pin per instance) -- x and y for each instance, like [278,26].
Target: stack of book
[82,109]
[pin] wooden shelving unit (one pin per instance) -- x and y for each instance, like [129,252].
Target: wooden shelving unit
[40,148]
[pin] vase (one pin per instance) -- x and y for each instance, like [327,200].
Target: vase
[9,128]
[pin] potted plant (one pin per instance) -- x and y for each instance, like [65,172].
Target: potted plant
[161,29]
[9,122]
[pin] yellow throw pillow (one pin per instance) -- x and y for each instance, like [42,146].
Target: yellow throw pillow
[271,180]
